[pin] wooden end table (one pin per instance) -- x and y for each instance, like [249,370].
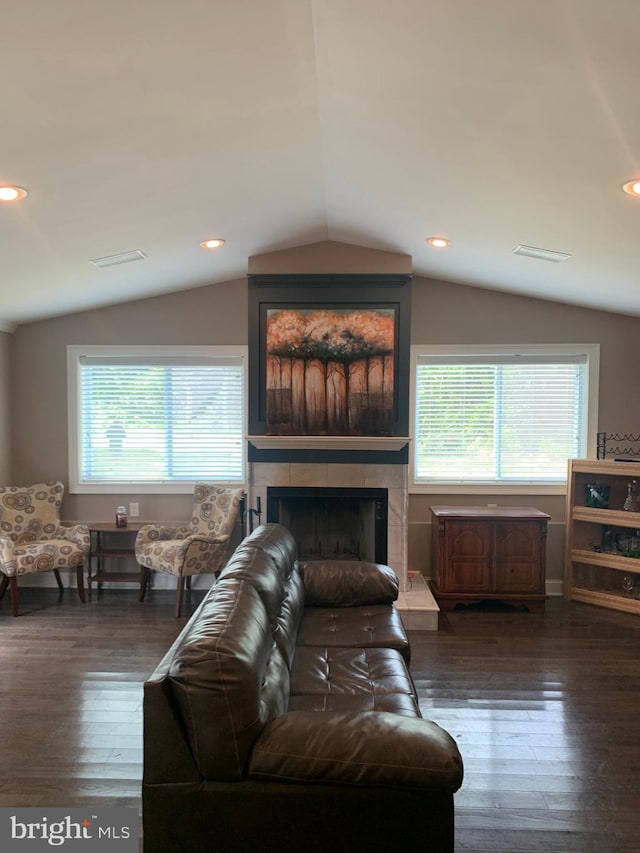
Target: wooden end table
[101,549]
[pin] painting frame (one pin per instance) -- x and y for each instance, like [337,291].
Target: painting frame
[380,297]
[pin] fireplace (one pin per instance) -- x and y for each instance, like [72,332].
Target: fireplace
[378,483]
[306,435]
[322,349]
[339,523]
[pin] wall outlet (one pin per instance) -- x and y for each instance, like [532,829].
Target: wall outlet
[134,510]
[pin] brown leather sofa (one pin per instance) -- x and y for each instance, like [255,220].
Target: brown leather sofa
[284,717]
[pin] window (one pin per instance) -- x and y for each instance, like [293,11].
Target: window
[153,419]
[502,416]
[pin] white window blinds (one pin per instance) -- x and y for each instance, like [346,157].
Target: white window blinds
[492,419]
[160,419]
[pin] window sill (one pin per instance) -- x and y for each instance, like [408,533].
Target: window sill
[488,489]
[182,488]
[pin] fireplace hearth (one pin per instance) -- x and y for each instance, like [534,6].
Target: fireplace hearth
[339,523]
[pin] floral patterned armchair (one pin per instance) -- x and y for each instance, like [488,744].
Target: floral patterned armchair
[200,547]
[33,540]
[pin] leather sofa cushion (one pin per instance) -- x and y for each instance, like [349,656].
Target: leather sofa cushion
[375,626]
[323,670]
[228,678]
[361,748]
[258,569]
[347,583]
[278,543]
[395,703]
[285,632]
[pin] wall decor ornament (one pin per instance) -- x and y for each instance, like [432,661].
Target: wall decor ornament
[330,371]
[328,355]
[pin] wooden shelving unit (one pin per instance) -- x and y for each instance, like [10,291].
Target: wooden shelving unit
[104,548]
[603,544]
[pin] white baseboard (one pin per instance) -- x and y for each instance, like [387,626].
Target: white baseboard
[554,587]
[160,581]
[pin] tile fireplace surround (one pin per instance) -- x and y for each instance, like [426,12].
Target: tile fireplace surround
[419,610]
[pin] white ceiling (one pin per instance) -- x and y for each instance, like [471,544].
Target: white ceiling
[154,124]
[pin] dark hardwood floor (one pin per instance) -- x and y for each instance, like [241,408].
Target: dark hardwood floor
[545,709]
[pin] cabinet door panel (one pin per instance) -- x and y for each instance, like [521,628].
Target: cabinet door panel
[518,558]
[469,556]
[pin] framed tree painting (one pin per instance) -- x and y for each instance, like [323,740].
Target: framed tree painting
[328,355]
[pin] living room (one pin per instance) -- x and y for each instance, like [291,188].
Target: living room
[343,137]
[35,373]
[107,628]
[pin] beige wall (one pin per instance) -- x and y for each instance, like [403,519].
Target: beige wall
[6,342]
[442,313]
[446,313]
[330,258]
[214,315]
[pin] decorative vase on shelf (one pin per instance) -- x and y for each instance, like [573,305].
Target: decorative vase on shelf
[632,501]
[597,495]
[627,584]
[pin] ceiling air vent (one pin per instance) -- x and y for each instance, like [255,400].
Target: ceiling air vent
[541,254]
[122,258]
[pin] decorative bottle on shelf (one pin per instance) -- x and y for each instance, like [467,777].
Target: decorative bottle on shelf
[632,501]
[121,516]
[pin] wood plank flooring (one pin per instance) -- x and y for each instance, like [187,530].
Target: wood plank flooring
[545,709]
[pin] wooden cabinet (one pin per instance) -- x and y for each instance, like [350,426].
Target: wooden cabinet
[488,553]
[603,539]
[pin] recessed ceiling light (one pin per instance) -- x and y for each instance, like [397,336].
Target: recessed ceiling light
[12,193]
[439,242]
[214,243]
[632,187]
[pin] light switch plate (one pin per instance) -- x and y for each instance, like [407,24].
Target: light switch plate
[134,510]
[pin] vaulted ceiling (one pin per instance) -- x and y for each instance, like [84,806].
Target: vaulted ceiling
[153,125]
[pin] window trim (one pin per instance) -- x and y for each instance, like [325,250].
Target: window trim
[74,353]
[592,353]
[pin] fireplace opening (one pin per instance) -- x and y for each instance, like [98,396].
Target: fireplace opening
[333,523]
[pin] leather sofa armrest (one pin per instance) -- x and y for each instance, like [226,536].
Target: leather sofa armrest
[347,583]
[167,757]
[371,748]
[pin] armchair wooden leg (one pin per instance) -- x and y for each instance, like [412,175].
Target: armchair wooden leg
[58,579]
[145,581]
[13,580]
[4,583]
[14,595]
[179,592]
[80,583]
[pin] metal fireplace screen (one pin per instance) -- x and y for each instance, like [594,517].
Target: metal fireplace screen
[339,523]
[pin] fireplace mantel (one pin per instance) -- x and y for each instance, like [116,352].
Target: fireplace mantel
[328,442]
